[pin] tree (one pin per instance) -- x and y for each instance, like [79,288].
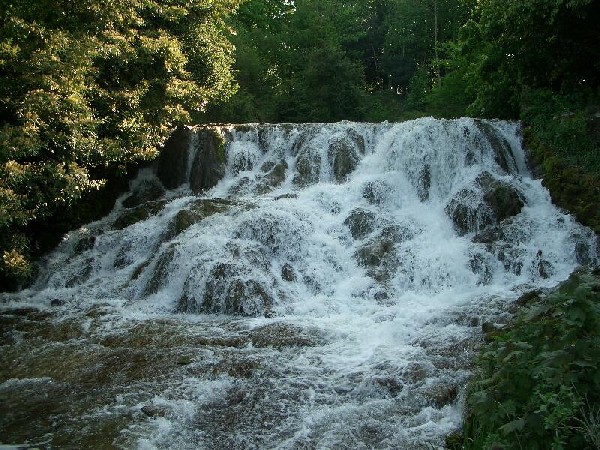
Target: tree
[90,85]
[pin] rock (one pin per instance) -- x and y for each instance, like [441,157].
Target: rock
[196,212]
[375,192]
[489,235]
[173,159]
[57,302]
[343,156]
[379,258]
[208,166]
[544,267]
[501,198]
[84,244]
[135,215]
[82,274]
[146,191]
[308,167]
[441,395]
[360,222]
[391,385]
[155,410]
[227,291]
[424,183]
[287,273]
[275,176]
[280,335]
[160,273]
[488,202]
[502,151]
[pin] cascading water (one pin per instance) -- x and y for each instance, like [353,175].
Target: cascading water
[324,289]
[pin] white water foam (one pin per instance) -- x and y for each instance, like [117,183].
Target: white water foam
[354,246]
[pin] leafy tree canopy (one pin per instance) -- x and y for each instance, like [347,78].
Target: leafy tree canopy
[94,84]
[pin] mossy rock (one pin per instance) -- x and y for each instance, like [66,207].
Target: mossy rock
[361,223]
[208,166]
[378,257]
[308,167]
[281,335]
[138,214]
[161,271]
[343,156]
[196,212]
[488,202]
[173,160]
[146,191]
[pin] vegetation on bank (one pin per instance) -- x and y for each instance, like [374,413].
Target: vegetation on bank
[537,384]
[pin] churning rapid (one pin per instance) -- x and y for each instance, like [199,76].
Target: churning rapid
[311,286]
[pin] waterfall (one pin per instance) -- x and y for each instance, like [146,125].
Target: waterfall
[297,285]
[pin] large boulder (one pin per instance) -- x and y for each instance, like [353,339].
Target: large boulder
[487,202]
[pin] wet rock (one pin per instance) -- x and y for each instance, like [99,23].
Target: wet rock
[379,258]
[510,257]
[287,273]
[155,410]
[146,191]
[236,367]
[274,178]
[487,202]
[424,183]
[55,302]
[375,192]
[489,235]
[360,222]
[479,266]
[391,385]
[84,244]
[138,214]
[81,274]
[308,167]
[343,156]
[490,330]
[173,159]
[196,212]
[227,291]
[502,151]
[275,232]
[160,273]
[280,335]
[441,395]
[544,267]
[208,166]
[503,199]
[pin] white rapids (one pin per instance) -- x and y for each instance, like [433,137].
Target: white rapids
[327,293]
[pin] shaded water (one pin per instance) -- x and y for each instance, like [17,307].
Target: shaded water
[328,292]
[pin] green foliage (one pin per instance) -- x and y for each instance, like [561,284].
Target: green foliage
[91,85]
[539,381]
[508,48]
[326,61]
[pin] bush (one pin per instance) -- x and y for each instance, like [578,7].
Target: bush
[538,383]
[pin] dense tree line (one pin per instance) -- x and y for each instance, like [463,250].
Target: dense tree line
[324,60]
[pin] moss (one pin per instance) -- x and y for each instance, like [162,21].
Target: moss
[573,188]
[219,139]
